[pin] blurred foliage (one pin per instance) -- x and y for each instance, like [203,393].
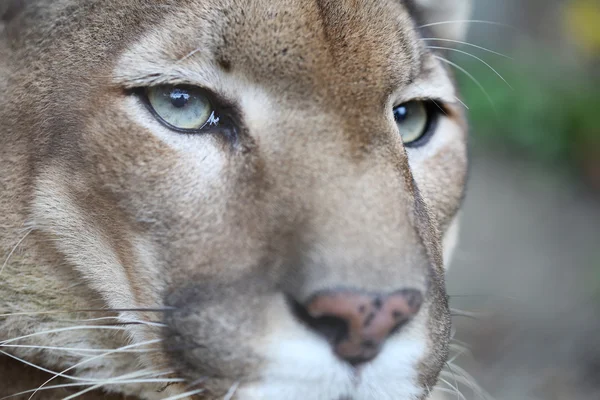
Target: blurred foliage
[582,18]
[551,114]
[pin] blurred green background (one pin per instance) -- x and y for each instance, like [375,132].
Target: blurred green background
[529,254]
[550,110]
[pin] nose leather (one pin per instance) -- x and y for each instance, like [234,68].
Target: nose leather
[370,319]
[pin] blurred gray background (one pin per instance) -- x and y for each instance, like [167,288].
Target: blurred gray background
[525,281]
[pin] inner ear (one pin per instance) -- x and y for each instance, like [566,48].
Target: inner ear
[444,18]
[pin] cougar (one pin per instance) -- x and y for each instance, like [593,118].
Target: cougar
[239,199]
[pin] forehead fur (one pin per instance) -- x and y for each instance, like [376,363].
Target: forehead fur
[358,47]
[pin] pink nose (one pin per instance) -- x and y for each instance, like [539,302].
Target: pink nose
[357,324]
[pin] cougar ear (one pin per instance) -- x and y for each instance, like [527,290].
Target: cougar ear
[448,17]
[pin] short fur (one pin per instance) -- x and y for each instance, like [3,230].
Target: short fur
[104,208]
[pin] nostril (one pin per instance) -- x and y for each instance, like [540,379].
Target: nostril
[357,324]
[333,329]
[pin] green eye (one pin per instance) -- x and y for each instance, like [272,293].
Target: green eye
[412,119]
[181,108]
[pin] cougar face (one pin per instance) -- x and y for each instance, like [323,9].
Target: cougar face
[261,194]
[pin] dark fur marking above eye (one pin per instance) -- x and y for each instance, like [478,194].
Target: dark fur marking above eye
[225,63]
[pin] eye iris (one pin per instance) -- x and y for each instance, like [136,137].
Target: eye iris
[183,108]
[179,98]
[412,119]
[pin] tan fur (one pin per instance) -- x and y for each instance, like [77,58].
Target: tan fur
[110,209]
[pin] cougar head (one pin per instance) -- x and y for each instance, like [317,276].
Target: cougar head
[269,188]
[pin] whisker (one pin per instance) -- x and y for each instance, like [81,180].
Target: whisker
[126,321]
[461,313]
[461,343]
[442,59]
[459,395]
[120,381]
[184,395]
[22,346]
[156,324]
[475,57]
[65,385]
[232,391]
[74,378]
[493,296]
[196,383]
[190,54]
[465,378]
[112,310]
[440,107]
[14,249]
[468,21]
[461,102]
[467,44]
[70,328]
[444,390]
[460,350]
[95,358]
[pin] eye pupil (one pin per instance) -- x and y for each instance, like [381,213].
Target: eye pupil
[400,113]
[179,98]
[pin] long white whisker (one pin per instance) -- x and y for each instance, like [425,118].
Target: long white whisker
[42,368]
[442,59]
[460,350]
[469,314]
[455,388]
[196,382]
[232,391]
[445,390]
[73,378]
[23,346]
[70,328]
[120,381]
[14,249]
[108,310]
[467,21]
[438,106]
[455,381]
[190,54]
[96,358]
[184,395]
[475,57]
[119,319]
[65,385]
[467,44]
[465,378]
[461,102]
